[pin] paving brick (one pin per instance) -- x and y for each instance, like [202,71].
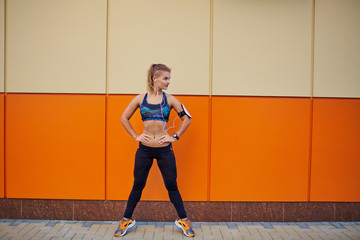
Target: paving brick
[78,236]
[6,237]
[243,231]
[267,225]
[110,232]
[354,228]
[49,236]
[204,227]
[216,233]
[302,225]
[87,237]
[79,229]
[279,228]
[102,230]
[343,236]
[57,227]
[31,233]
[26,229]
[159,233]
[225,232]
[159,225]
[276,235]
[70,234]
[94,227]
[149,233]
[353,235]
[18,227]
[303,235]
[101,238]
[139,231]
[209,237]
[253,230]
[169,229]
[39,235]
[265,235]
[52,223]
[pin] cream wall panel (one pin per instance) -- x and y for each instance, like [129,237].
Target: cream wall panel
[173,32]
[2,40]
[56,46]
[262,47]
[337,48]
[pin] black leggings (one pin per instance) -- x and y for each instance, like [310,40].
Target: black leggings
[166,161]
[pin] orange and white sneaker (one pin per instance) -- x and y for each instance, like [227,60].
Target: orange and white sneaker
[124,226]
[185,226]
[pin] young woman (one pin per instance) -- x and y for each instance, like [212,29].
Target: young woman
[155,142]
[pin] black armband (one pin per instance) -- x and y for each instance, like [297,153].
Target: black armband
[184,112]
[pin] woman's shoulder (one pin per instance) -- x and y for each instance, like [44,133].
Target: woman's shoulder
[138,98]
[168,95]
[171,99]
[141,95]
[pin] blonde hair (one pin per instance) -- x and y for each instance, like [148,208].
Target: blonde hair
[153,71]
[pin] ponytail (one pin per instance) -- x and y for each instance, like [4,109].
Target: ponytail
[153,71]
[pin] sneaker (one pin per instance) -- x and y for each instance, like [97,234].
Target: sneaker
[124,226]
[185,226]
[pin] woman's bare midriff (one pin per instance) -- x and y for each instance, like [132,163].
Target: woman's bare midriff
[154,129]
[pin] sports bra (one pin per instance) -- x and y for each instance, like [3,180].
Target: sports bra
[150,111]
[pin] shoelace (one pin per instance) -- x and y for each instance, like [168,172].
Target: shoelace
[187,224]
[123,224]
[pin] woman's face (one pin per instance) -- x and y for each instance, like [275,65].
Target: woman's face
[162,80]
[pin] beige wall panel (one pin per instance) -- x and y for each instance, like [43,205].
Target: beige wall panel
[173,32]
[337,48]
[2,39]
[56,46]
[262,47]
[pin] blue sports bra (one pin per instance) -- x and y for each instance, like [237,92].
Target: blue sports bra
[150,111]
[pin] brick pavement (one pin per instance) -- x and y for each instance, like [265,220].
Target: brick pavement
[86,230]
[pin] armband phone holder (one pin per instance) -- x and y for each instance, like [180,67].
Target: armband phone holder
[184,112]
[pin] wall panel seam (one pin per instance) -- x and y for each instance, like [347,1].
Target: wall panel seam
[106,91]
[210,96]
[312,49]
[5,15]
[4,155]
[311,98]
[5,96]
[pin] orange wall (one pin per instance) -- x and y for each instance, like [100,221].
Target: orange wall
[260,149]
[335,170]
[2,98]
[56,148]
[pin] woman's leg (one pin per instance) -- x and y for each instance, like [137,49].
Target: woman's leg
[143,163]
[167,165]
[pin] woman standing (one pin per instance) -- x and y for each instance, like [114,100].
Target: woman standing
[155,142]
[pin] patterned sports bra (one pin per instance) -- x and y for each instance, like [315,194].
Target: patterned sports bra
[159,112]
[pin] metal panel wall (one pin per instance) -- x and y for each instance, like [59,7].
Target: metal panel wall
[56,46]
[262,48]
[176,33]
[337,48]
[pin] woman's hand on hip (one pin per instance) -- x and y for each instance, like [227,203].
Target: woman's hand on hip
[166,139]
[143,138]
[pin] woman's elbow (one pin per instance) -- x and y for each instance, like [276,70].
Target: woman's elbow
[188,121]
[124,120]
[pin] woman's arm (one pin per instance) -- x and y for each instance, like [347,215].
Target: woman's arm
[174,103]
[185,119]
[127,114]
